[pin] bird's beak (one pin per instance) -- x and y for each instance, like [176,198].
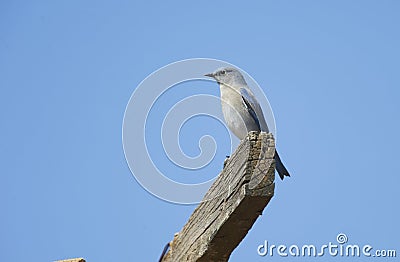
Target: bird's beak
[210,75]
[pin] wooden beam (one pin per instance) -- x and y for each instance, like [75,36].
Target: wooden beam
[231,205]
[72,260]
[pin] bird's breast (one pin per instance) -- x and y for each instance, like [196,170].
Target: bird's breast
[236,115]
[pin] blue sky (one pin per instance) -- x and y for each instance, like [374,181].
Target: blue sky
[330,70]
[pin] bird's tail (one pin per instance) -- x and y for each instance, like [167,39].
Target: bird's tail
[282,171]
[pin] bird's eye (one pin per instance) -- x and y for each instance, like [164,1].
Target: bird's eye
[223,72]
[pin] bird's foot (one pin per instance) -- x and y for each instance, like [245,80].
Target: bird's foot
[226,161]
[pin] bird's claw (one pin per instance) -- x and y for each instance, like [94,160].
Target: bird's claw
[226,161]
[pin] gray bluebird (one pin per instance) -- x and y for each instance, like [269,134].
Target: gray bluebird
[240,108]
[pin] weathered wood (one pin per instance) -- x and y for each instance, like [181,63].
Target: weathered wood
[72,260]
[231,205]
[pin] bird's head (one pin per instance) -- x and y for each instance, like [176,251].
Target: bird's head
[228,76]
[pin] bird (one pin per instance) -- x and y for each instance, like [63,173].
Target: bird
[240,108]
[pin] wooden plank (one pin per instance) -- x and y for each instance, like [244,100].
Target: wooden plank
[72,260]
[231,205]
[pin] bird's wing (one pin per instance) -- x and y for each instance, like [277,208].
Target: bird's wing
[250,104]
